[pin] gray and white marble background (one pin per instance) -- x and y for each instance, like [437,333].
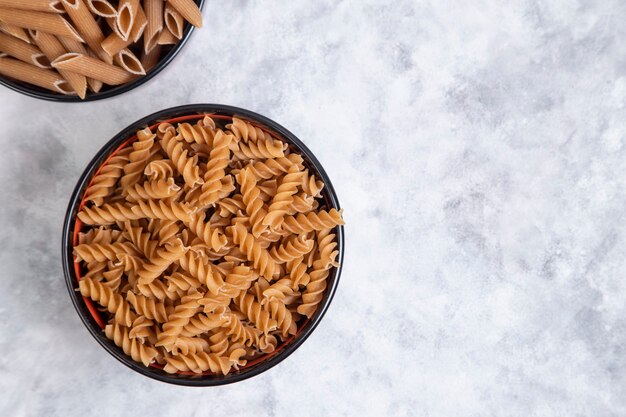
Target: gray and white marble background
[479,151]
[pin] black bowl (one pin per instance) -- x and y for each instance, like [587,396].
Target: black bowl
[107,91]
[283,350]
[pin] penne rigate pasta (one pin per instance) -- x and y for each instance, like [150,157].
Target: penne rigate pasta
[189,11]
[154,13]
[150,59]
[23,51]
[173,21]
[126,13]
[31,74]
[86,25]
[46,22]
[16,31]
[166,38]
[93,68]
[71,45]
[50,6]
[52,48]
[127,60]
[92,43]
[114,43]
[102,8]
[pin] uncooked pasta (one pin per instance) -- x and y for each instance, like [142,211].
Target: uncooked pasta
[207,244]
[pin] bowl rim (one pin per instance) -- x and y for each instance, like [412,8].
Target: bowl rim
[68,260]
[42,94]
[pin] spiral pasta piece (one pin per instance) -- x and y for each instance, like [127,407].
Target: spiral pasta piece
[138,158]
[104,182]
[143,241]
[246,131]
[314,291]
[157,289]
[165,256]
[240,332]
[107,214]
[279,312]
[177,320]
[283,198]
[102,252]
[195,134]
[182,282]
[297,270]
[158,189]
[311,185]
[188,345]
[131,347]
[260,257]
[199,267]
[159,209]
[202,323]
[240,278]
[304,223]
[211,236]
[262,149]
[215,170]
[270,168]
[293,248]
[161,169]
[104,296]
[253,204]
[255,313]
[218,342]
[279,290]
[148,307]
[197,363]
[185,165]
[142,329]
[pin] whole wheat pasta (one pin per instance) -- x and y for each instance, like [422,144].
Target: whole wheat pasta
[166,37]
[50,6]
[21,71]
[129,62]
[52,48]
[126,13]
[150,59]
[188,283]
[46,22]
[114,43]
[92,68]
[173,21]
[102,8]
[16,31]
[86,26]
[189,10]
[23,51]
[75,46]
[154,14]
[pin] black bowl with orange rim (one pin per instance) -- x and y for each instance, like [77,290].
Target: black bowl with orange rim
[87,310]
[167,56]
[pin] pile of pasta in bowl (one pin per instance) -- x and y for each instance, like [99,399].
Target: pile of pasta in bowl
[80,47]
[206,245]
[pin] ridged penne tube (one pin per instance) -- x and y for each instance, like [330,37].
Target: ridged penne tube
[150,59]
[23,51]
[92,68]
[126,13]
[154,15]
[75,46]
[129,62]
[189,11]
[166,37]
[52,48]
[31,74]
[173,21]
[102,8]
[50,6]
[46,22]
[114,43]
[16,31]
[86,25]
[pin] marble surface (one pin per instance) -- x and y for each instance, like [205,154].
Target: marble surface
[478,149]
